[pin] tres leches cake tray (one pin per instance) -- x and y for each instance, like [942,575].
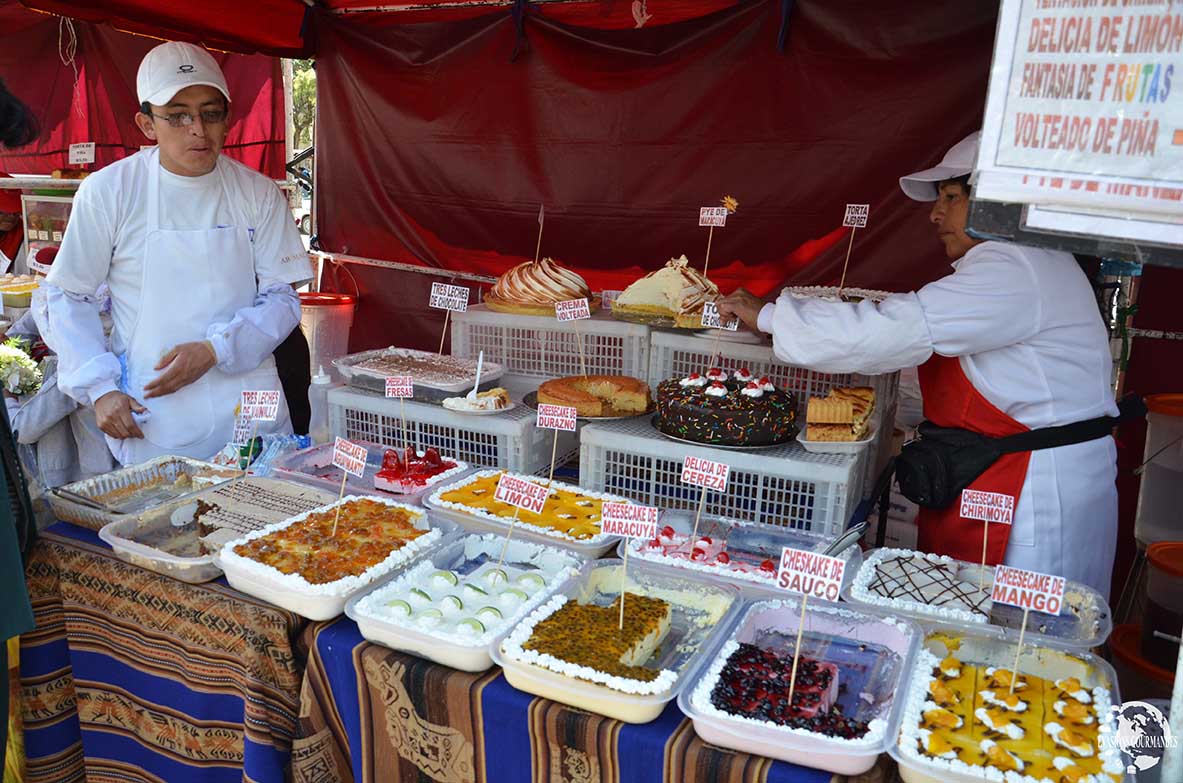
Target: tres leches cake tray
[436,377]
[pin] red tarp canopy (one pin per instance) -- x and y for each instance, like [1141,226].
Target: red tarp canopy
[97,101]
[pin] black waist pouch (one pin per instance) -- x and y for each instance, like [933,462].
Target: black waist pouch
[933,469]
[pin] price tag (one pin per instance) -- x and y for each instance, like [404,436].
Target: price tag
[856,215]
[449,297]
[402,386]
[261,405]
[242,431]
[810,574]
[572,310]
[37,266]
[625,519]
[1029,590]
[705,473]
[712,320]
[988,506]
[56,236]
[349,457]
[608,297]
[712,216]
[43,235]
[556,417]
[80,153]
[521,493]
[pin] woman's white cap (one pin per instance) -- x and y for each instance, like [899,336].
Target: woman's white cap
[173,66]
[958,161]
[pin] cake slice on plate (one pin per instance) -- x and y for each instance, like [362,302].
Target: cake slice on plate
[676,291]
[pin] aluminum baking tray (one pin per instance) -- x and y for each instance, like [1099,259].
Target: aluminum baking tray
[315,466]
[167,540]
[454,375]
[137,488]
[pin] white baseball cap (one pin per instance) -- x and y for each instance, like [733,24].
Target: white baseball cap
[958,161]
[173,66]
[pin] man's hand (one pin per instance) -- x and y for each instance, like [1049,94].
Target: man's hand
[186,363]
[113,411]
[741,304]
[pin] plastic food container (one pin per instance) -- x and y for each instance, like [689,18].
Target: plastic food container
[836,446]
[746,544]
[1084,622]
[325,601]
[315,466]
[874,656]
[153,539]
[699,608]
[452,375]
[1161,494]
[1164,602]
[138,488]
[1140,677]
[488,523]
[326,319]
[468,556]
[1038,659]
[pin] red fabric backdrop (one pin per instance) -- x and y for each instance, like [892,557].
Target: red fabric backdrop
[100,106]
[436,148]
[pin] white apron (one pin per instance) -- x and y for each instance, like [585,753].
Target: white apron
[191,279]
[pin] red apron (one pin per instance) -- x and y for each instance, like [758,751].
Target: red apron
[950,400]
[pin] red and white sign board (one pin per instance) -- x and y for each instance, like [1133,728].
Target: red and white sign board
[261,405]
[628,520]
[242,431]
[572,310]
[556,417]
[349,457]
[1028,589]
[82,152]
[401,386]
[988,506]
[810,574]
[856,215]
[712,216]
[712,320]
[449,297]
[705,473]
[519,492]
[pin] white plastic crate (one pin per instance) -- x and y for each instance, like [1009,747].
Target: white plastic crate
[784,485]
[541,347]
[673,355]
[507,440]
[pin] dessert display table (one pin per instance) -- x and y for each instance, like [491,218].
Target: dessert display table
[370,714]
[134,676]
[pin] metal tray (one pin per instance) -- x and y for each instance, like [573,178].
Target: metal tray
[425,390]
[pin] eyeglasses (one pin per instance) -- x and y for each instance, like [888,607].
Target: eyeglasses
[184,119]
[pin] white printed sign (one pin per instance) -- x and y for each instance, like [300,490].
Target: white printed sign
[628,520]
[712,320]
[1028,589]
[810,574]
[449,297]
[572,310]
[856,215]
[261,405]
[37,266]
[43,235]
[349,457]
[81,153]
[401,386]
[988,506]
[712,216]
[242,431]
[556,417]
[705,473]
[1084,107]
[521,493]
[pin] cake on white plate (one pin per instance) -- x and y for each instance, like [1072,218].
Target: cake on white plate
[676,291]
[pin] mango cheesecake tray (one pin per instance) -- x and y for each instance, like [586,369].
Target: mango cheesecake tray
[435,376]
[732,550]
[846,704]
[450,605]
[391,471]
[937,589]
[302,565]
[571,648]
[962,722]
[181,538]
[570,518]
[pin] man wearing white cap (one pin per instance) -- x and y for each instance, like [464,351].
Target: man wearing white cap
[1011,341]
[200,254]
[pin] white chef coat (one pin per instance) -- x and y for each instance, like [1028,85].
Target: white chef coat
[1027,331]
[105,239]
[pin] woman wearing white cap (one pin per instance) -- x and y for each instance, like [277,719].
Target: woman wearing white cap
[1011,341]
[200,254]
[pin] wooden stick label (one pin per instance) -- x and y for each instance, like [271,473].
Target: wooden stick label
[712,320]
[712,216]
[521,493]
[400,386]
[349,457]
[810,574]
[572,310]
[556,417]
[988,506]
[449,297]
[261,405]
[628,520]
[856,215]
[1028,590]
[705,473]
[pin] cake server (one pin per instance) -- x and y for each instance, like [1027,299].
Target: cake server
[846,540]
